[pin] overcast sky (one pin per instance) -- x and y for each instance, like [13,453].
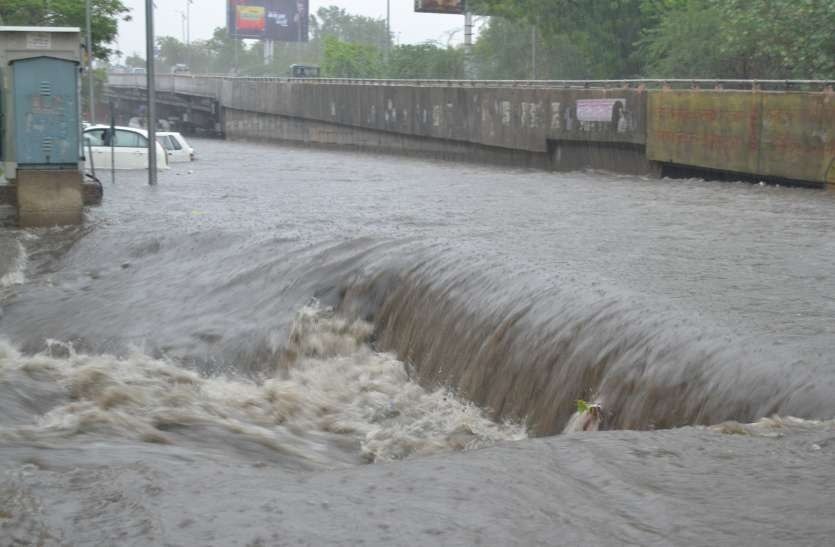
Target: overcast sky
[206,15]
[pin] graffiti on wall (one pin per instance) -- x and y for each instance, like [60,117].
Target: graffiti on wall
[773,134]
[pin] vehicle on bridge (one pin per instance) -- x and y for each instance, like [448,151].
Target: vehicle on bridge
[176,147]
[130,147]
[304,71]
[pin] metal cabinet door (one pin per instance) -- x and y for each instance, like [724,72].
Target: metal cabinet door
[46,112]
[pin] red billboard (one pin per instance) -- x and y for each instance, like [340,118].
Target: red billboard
[441,6]
[279,20]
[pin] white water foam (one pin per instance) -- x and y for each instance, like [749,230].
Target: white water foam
[774,426]
[16,275]
[329,384]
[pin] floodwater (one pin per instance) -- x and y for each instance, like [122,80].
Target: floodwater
[282,345]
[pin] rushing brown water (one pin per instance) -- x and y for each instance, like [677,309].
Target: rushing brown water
[216,360]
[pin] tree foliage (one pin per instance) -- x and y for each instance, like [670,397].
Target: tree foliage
[505,51]
[347,60]
[685,38]
[70,13]
[573,39]
[603,31]
[335,22]
[425,61]
[762,39]
[134,61]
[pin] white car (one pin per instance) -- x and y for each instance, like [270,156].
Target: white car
[130,147]
[176,146]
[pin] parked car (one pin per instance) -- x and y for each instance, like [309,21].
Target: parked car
[130,147]
[138,70]
[180,69]
[176,147]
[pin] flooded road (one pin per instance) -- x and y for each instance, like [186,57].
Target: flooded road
[216,360]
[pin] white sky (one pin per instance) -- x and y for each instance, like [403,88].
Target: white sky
[206,15]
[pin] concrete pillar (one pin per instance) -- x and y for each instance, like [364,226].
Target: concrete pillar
[48,198]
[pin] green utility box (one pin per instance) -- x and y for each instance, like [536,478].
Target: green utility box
[39,98]
[40,122]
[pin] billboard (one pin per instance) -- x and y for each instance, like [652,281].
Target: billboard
[280,20]
[441,6]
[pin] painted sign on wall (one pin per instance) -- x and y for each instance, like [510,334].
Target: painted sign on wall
[598,110]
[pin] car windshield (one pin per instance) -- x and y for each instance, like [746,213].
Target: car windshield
[167,142]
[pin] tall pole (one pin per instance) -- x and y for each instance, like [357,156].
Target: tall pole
[237,46]
[188,32]
[152,92]
[299,46]
[269,47]
[90,77]
[188,22]
[533,52]
[388,23]
[468,42]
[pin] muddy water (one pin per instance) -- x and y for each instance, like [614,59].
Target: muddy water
[217,360]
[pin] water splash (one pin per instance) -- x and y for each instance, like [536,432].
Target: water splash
[333,400]
[530,355]
[16,273]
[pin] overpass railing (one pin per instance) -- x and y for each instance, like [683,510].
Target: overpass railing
[211,85]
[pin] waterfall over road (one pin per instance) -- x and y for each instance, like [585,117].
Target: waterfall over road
[279,344]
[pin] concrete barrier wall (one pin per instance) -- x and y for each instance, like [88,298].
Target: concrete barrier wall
[787,135]
[517,119]
[248,125]
[784,135]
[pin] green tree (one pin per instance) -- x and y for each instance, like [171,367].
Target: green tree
[171,52]
[135,61]
[780,38]
[503,51]
[777,39]
[70,13]
[346,60]
[425,61]
[686,43]
[335,22]
[605,32]
[230,56]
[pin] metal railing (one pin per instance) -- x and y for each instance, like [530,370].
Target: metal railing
[211,84]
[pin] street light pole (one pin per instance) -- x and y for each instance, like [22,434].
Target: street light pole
[468,43]
[188,31]
[152,99]
[90,78]
[533,52]
[188,21]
